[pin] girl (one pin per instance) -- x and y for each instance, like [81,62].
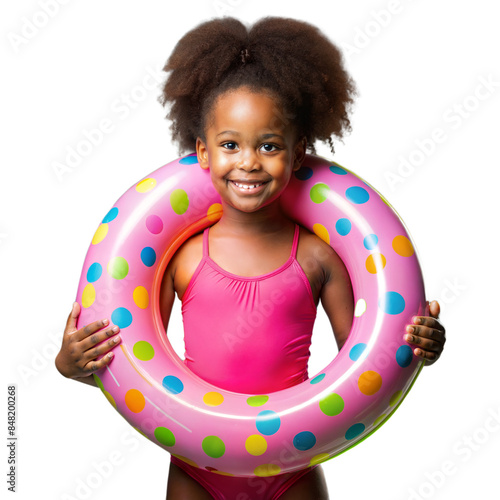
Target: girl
[250,102]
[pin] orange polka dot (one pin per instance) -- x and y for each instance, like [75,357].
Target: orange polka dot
[402,246]
[135,400]
[375,263]
[322,232]
[369,382]
[214,212]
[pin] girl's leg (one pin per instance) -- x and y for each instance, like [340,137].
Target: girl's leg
[311,486]
[181,485]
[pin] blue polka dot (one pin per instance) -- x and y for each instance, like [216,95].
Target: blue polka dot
[404,356]
[121,317]
[357,195]
[338,170]
[172,384]
[304,440]
[356,351]
[354,431]
[370,241]
[94,272]
[392,303]
[343,226]
[318,379]
[189,160]
[111,215]
[304,173]
[148,256]
[268,422]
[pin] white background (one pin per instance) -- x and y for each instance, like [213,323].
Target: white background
[419,66]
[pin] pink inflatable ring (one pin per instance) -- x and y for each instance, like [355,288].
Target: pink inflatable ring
[263,434]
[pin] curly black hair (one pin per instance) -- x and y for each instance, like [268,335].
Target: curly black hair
[291,59]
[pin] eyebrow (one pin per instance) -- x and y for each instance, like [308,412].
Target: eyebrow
[263,136]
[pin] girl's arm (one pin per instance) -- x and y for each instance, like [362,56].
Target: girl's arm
[336,295]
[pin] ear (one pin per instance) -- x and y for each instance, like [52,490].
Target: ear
[202,153]
[299,153]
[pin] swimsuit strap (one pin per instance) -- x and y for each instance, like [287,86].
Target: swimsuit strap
[205,242]
[295,243]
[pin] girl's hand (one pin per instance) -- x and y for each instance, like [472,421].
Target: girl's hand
[428,334]
[80,350]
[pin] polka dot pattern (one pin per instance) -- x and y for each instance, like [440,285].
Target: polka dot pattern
[213,446]
[341,210]
[268,422]
[173,384]
[256,445]
[304,441]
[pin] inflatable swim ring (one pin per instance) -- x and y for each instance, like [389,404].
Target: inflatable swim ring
[242,434]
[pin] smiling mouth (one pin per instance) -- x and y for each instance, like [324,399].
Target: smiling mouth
[248,186]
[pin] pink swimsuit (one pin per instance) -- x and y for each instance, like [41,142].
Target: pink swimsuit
[250,335]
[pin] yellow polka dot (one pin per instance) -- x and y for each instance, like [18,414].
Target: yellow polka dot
[317,459]
[267,470]
[135,400]
[88,295]
[214,212]
[375,263]
[322,232]
[256,445]
[379,419]
[141,297]
[100,234]
[369,382]
[109,398]
[213,398]
[360,308]
[395,398]
[187,460]
[402,246]
[145,185]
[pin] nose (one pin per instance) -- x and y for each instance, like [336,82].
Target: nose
[248,161]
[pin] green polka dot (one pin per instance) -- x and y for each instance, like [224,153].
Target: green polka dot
[98,382]
[319,192]
[165,436]
[118,268]
[213,446]
[179,201]
[379,419]
[257,400]
[143,350]
[395,398]
[332,405]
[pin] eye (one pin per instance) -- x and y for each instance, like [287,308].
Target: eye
[270,148]
[230,145]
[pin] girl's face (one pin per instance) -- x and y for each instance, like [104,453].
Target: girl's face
[250,149]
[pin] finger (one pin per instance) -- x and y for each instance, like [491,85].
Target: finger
[89,330]
[429,356]
[434,309]
[426,332]
[424,343]
[72,318]
[428,321]
[95,365]
[96,337]
[102,347]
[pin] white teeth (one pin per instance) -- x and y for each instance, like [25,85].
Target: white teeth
[247,186]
